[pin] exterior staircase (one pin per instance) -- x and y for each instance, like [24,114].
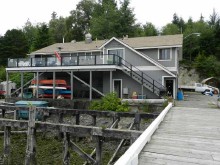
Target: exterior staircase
[142,78]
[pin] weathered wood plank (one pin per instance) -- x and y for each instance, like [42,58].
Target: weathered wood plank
[77,130]
[82,153]
[98,150]
[49,110]
[66,153]
[182,159]
[185,152]
[186,136]
[7,142]
[157,161]
[31,139]
[193,145]
[119,147]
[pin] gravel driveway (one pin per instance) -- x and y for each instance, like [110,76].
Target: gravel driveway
[196,100]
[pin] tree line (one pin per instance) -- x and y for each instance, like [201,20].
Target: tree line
[105,19]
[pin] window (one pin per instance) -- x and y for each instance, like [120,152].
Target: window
[117,52]
[88,55]
[101,55]
[164,54]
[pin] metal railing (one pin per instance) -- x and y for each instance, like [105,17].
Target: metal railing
[74,60]
[145,79]
[91,60]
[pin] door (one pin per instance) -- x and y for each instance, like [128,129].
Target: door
[118,87]
[169,86]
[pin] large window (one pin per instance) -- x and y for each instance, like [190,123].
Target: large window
[164,54]
[119,52]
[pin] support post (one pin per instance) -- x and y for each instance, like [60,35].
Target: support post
[90,86]
[94,120]
[95,60]
[7,87]
[98,150]
[66,153]
[31,141]
[7,142]
[153,86]
[37,85]
[54,83]
[71,84]
[60,117]
[22,85]
[137,121]
[3,113]
[77,119]
[111,82]
[142,91]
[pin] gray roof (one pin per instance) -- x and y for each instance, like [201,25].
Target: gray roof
[154,41]
[138,42]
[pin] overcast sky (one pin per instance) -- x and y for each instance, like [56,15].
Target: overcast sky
[14,13]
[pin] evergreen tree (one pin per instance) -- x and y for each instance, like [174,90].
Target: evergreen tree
[150,30]
[78,23]
[13,45]
[43,38]
[170,29]
[105,22]
[179,22]
[30,33]
[126,20]
[57,28]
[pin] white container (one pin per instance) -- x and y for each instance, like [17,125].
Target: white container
[125,91]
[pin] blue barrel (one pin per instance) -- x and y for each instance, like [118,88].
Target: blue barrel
[179,95]
[24,114]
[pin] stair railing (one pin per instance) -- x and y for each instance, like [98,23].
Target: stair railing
[145,79]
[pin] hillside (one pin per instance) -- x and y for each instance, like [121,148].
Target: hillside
[188,76]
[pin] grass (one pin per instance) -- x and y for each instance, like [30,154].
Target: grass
[49,149]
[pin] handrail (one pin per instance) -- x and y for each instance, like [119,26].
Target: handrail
[140,75]
[83,60]
[74,60]
[131,155]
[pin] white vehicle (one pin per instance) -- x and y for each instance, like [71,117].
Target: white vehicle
[202,88]
[3,86]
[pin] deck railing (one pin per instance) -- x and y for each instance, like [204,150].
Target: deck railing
[77,60]
[90,60]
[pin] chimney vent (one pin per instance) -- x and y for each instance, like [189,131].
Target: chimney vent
[88,38]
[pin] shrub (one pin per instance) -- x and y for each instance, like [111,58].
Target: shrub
[110,102]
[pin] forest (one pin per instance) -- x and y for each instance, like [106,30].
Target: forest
[105,19]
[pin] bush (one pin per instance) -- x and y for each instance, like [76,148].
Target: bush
[110,102]
[207,66]
[15,77]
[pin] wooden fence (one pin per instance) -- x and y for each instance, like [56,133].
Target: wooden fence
[98,133]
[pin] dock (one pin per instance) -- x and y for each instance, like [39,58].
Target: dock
[186,136]
[187,133]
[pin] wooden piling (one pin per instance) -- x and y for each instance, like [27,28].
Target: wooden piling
[66,154]
[98,150]
[31,138]
[7,142]
[137,121]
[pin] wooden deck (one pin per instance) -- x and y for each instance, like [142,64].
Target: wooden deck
[186,136]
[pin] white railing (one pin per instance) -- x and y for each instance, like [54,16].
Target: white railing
[130,157]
